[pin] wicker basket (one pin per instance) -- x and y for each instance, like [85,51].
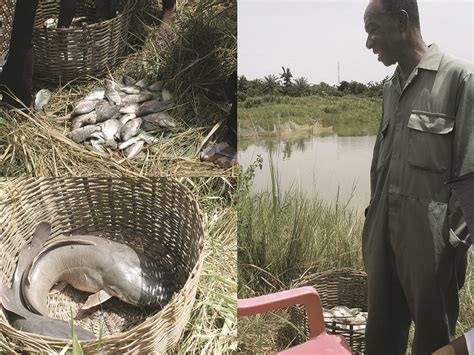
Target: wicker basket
[344,287]
[65,54]
[156,216]
[7,12]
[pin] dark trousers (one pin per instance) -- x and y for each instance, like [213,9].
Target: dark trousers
[17,76]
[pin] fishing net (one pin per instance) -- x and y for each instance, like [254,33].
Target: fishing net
[156,216]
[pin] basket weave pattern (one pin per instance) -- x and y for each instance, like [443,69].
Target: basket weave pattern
[156,216]
[344,287]
[7,12]
[65,54]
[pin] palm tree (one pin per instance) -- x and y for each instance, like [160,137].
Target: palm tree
[301,87]
[271,84]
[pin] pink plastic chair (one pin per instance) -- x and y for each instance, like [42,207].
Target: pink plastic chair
[320,342]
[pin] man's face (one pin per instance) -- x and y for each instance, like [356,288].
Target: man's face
[383,34]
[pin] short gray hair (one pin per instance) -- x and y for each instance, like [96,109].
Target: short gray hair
[393,7]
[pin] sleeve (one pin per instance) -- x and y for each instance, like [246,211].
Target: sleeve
[463,154]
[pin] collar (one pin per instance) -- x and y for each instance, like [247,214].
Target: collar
[431,60]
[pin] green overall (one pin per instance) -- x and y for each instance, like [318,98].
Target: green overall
[413,258]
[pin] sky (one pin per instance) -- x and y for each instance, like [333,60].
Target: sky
[310,37]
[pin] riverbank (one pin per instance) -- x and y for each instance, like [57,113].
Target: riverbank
[267,111]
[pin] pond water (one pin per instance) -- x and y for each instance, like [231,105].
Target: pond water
[334,166]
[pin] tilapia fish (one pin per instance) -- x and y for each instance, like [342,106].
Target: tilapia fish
[20,317]
[42,99]
[153,106]
[130,128]
[81,134]
[155,120]
[83,107]
[83,120]
[106,268]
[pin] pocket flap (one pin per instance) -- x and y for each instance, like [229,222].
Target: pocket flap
[436,123]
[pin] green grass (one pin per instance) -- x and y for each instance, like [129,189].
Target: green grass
[266,110]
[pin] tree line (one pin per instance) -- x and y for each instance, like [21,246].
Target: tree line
[286,85]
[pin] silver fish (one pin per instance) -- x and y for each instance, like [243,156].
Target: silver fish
[98,265]
[128,80]
[97,93]
[148,138]
[10,299]
[132,99]
[83,107]
[113,96]
[51,23]
[99,148]
[133,150]
[106,111]
[142,83]
[127,117]
[110,128]
[153,106]
[111,143]
[42,99]
[110,84]
[130,108]
[130,128]
[83,120]
[166,95]
[81,134]
[155,120]
[129,142]
[131,90]
[156,86]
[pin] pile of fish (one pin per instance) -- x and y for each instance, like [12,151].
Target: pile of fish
[77,22]
[118,115]
[87,263]
[350,319]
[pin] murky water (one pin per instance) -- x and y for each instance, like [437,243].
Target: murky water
[335,166]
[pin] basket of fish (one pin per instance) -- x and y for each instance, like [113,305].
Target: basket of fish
[343,295]
[116,260]
[7,12]
[93,42]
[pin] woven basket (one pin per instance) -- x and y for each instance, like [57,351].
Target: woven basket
[7,12]
[344,287]
[156,216]
[65,54]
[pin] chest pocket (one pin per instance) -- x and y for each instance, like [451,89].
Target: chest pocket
[430,140]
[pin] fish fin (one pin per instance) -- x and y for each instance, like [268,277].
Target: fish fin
[8,301]
[96,299]
[40,236]
[58,287]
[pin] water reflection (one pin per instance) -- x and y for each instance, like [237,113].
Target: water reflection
[333,166]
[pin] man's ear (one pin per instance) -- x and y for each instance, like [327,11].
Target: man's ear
[403,20]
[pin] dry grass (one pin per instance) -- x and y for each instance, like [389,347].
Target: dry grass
[194,62]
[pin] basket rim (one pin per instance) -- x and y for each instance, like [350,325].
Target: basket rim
[17,183]
[129,7]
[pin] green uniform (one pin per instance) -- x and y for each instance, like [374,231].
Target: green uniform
[426,138]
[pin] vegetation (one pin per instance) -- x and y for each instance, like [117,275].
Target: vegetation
[285,86]
[283,236]
[265,111]
[195,62]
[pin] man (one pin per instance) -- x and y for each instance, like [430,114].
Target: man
[413,238]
